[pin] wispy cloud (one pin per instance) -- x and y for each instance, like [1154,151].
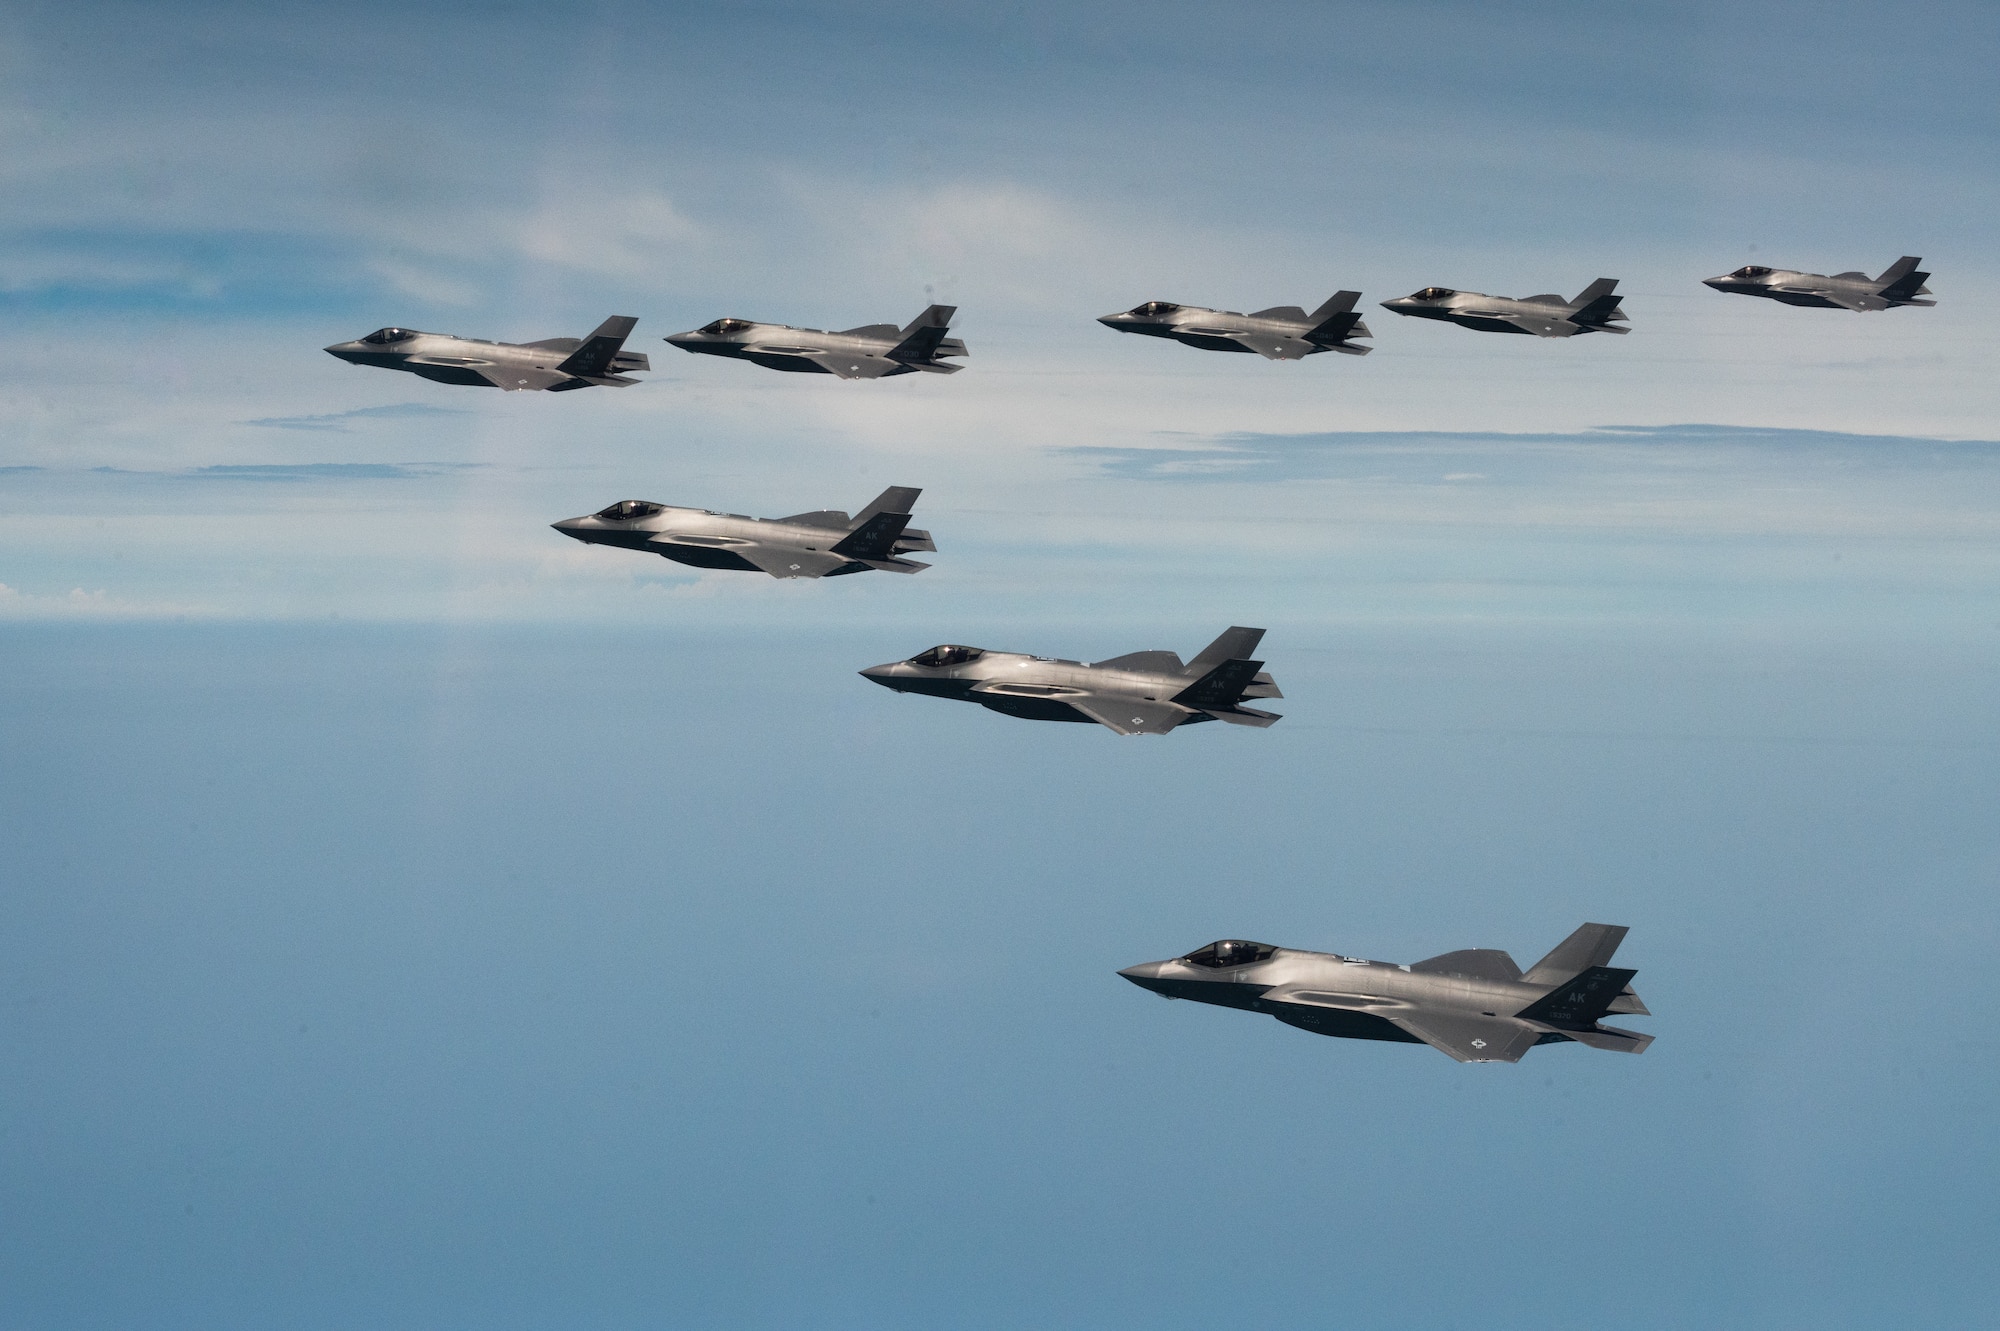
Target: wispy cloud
[1376,454]
[326,471]
[99,604]
[338,421]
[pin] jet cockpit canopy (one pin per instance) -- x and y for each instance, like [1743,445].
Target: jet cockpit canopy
[625,510]
[1230,952]
[947,654]
[1434,293]
[727,326]
[382,337]
[1153,309]
[1751,270]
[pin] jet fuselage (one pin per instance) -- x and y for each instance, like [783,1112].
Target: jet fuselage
[803,546]
[1538,316]
[475,363]
[1900,285]
[1475,1005]
[1357,989]
[1281,333]
[1141,693]
[875,351]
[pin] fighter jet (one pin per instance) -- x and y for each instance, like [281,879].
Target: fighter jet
[1283,332]
[873,351]
[822,544]
[1142,693]
[1474,1005]
[557,364]
[1595,311]
[1900,285]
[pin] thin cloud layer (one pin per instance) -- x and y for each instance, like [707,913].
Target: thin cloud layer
[339,421]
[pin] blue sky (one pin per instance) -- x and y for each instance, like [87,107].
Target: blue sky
[419,919]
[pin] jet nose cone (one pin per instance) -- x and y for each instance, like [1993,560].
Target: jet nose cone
[1111,320]
[683,339]
[1144,973]
[344,350]
[885,675]
[575,528]
[1715,282]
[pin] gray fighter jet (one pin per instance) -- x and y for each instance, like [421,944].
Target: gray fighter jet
[1142,693]
[1474,1005]
[823,544]
[1595,311]
[1900,285]
[873,351]
[1283,332]
[557,364]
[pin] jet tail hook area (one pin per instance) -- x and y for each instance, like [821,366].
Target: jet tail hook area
[598,356]
[925,337]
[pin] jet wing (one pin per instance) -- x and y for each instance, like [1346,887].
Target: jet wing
[1468,1037]
[850,366]
[1540,327]
[1853,300]
[513,378]
[1129,716]
[790,562]
[1272,347]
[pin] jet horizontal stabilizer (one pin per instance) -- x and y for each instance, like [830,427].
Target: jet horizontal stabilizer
[1263,686]
[1239,716]
[1611,1039]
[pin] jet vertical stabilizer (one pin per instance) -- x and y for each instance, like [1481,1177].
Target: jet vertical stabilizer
[924,338]
[1335,322]
[1591,945]
[1235,643]
[1902,283]
[1597,307]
